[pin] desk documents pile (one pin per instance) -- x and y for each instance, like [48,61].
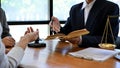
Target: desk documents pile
[96,54]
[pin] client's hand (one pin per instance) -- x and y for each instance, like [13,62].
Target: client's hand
[30,35]
[55,24]
[8,41]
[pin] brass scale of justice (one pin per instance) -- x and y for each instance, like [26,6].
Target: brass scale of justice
[107,45]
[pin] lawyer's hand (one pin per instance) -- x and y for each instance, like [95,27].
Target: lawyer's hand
[76,40]
[55,24]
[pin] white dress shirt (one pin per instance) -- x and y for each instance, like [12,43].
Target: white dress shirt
[87,9]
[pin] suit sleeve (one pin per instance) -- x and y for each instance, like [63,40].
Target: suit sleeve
[67,27]
[4,24]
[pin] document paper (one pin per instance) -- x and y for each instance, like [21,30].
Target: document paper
[96,54]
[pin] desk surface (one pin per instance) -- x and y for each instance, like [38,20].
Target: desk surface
[55,55]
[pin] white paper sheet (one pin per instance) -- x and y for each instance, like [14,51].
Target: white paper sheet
[96,54]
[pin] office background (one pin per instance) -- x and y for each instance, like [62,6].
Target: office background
[36,13]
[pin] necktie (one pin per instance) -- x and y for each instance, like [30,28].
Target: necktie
[82,18]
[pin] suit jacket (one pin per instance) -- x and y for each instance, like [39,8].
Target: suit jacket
[95,23]
[4,24]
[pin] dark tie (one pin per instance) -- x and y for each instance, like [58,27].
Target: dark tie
[82,18]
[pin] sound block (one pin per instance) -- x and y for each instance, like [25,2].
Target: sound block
[37,45]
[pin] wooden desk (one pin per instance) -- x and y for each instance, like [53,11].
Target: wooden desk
[55,55]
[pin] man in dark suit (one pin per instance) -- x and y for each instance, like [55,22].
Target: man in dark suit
[7,39]
[93,19]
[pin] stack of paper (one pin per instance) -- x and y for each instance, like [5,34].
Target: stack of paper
[96,54]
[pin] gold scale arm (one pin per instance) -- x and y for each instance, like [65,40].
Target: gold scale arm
[107,26]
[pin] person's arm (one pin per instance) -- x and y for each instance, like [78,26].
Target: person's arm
[15,55]
[7,39]
[4,24]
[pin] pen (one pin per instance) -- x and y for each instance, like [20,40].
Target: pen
[52,27]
